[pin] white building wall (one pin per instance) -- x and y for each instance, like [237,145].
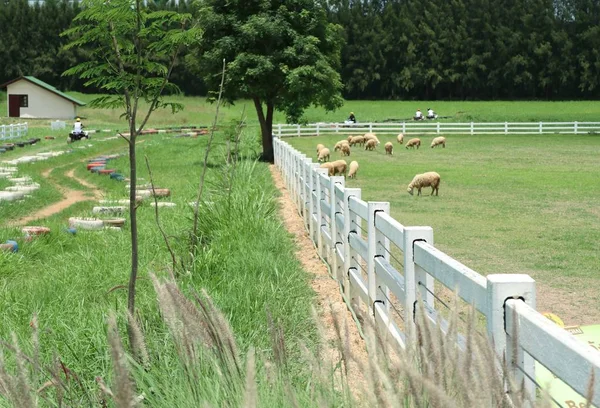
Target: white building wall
[42,103]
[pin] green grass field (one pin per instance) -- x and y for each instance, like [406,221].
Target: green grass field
[507,204]
[72,282]
[200,112]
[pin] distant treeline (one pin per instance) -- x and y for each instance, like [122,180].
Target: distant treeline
[395,49]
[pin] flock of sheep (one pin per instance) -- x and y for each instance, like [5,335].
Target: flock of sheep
[370,142]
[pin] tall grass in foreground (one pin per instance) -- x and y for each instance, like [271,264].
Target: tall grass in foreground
[211,370]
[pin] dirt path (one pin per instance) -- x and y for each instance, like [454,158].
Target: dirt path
[70,197]
[330,304]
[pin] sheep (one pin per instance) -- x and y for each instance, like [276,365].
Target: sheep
[370,145]
[400,138]
[339,167]
[369,136]
[319,147]
[349,139]
[389,148]
[323,154]
[345,150]
[438,141]
[413,142]
[353,169]
[339,144]
[429,179]
[329,167]
[357,140]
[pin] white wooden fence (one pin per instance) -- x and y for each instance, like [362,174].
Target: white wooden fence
[437,127]
[357,240]
[13,131]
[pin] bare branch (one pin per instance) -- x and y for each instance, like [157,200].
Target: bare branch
[162,231]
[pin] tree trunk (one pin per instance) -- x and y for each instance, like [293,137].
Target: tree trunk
[266,129]
[133,222]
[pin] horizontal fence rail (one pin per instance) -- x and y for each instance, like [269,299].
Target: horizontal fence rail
[384,268]
[13,131]
[436,128]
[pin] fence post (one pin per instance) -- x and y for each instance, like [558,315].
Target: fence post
[336,269]
[412,277]
[370,128]
[318,126]
[304,168]
[403,128]
[575,127]
[312,189]
[438,128]
[500,288]
[320,217]
[472,129]
[541,127]
[349,252]
[298,130]
[375,248]
[506,128]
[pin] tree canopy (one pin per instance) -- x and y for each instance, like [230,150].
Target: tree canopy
[282,55]
[393,49]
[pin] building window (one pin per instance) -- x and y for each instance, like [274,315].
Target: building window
[24,101]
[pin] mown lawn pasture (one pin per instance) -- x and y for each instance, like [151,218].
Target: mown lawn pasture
[507,204]
[198,111]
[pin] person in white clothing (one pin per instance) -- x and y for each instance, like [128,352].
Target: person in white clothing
[418,115]
[77,126]
[431,114]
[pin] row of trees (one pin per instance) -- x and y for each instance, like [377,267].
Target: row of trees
[470,48]
[393,48]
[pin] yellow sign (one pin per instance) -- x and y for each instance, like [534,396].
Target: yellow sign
[557,389]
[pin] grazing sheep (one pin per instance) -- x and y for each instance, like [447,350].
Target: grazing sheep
[357,140]
[339,144]
[400,138]
[339,167]
[438,141]
[353,169]
[324,155]
[349,138]
[370,145]
[430,179]
[389,148]
[371,136]
[319,147]
[345,150]
[329,167]
[413,142]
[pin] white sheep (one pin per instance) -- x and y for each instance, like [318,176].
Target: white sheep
[349,139]
[389,148]
[400,138]
[329,167]
[353,169]
[413,142]
[319,147]
[357,140]
[345,150]
[370,145]
[339,144]
[339,167]
[324,155]
[438,141]
[429,179]
[371,136]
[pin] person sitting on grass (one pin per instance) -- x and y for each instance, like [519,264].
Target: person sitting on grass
[352,118]
[431,114]
[418,115]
